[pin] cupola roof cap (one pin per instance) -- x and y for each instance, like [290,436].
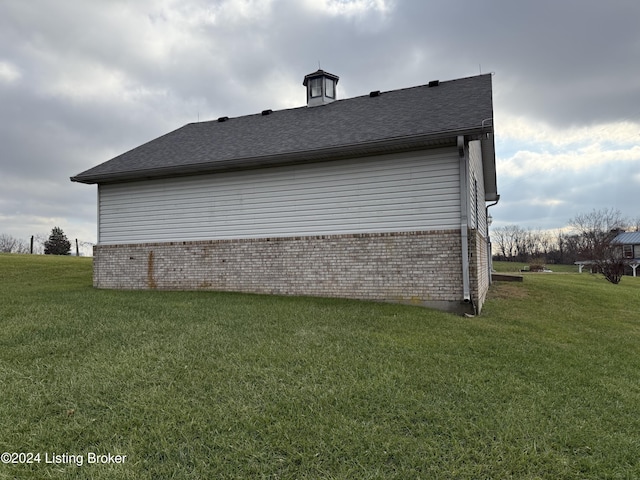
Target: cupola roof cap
[320,73]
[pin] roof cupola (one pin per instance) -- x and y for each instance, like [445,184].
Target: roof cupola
[321,87]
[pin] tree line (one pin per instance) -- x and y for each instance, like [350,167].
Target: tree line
[56,243]
[587,237]
[514,243]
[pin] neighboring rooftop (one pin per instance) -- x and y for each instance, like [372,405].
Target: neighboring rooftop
[382,122]
[628,238]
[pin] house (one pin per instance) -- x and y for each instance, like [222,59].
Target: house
[378,197]
[628,253]
[630,244]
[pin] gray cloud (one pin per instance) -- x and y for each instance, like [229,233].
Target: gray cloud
[81,82]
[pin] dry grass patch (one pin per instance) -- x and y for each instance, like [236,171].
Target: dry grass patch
[507,290]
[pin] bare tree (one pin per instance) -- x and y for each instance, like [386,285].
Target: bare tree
[7,243]
[596,226]
[597,229]
[21,247]
[516,243]
[38,243]
[565,247]
[506,238]
[545,243]
[10,244]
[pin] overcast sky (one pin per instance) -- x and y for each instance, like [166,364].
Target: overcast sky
[82,81]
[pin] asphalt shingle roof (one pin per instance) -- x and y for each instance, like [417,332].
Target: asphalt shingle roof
[361,124]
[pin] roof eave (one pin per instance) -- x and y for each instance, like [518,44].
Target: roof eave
[394,145]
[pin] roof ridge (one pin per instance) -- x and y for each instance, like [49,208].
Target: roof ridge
[342,100]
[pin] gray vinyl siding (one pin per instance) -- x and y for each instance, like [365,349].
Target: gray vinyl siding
[408,192]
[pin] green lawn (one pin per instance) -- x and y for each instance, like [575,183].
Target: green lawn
[545,384]
[506,267]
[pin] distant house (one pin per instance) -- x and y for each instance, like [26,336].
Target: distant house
[630,244]
[379,197]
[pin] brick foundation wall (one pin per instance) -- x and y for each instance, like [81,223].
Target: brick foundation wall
[478,268]
[410,267]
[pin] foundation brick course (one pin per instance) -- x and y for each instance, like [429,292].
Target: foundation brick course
[411,267]
[478,267]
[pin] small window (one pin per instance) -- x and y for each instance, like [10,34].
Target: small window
[627,251]
[330,88]
[315,87]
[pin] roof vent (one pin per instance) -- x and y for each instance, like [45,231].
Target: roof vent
[375,93]
[434,83]
[223,119]
[267,112]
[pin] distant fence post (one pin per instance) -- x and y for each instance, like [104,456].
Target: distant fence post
[77,249]
[31,249]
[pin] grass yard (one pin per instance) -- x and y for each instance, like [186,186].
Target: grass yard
[513,267]
[544,385]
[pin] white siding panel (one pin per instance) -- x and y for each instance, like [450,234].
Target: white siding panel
[377,194]
[478,212]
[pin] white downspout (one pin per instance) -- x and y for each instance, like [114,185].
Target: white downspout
[464,219]
[489,247]
[98,214]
